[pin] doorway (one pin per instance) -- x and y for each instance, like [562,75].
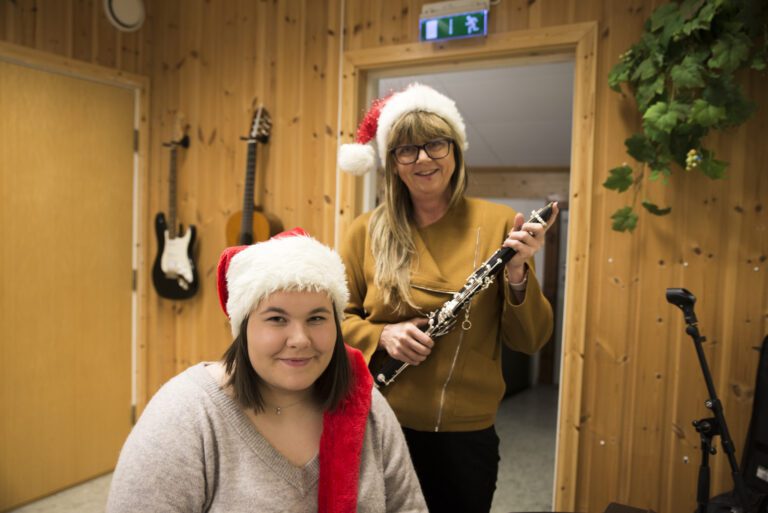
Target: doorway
[518,121]
[576,42]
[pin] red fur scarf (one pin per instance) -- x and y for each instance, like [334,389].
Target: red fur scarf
[341,443]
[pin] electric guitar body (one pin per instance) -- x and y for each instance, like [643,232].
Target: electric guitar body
[174,273]
[174,258]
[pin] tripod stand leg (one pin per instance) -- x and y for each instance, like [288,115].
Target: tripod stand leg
[702,489]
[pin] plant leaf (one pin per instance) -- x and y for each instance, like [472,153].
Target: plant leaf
[624,219]
[619,73]
[660,170]
[689,8]
[648,90]
[687,74]
[703,18]
[664,15]
[620,179]
[640,148]
[661,118]
[711,167]
[655,210]
[646,69]
[738,110]
[706,114]
[729,52]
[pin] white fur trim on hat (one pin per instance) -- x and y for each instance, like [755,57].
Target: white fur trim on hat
[357,159]
[287,263]
[418,97]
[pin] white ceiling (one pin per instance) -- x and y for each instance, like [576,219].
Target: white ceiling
[515,115]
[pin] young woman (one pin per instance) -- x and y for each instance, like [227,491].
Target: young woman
[406,259]
[287,421]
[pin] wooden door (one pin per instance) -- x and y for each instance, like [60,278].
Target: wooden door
[66,183]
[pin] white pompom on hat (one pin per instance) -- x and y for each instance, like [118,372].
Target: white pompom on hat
[359,157]
[291,260]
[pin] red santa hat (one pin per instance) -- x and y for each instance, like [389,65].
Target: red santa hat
[359,157]
[291,260]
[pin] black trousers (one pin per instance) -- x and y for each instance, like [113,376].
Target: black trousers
[457,470]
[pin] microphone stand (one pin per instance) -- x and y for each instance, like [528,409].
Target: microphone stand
[712,426]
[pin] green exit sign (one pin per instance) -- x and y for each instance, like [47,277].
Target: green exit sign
[455,26]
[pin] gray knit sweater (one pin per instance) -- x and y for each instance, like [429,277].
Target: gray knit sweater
[194,450]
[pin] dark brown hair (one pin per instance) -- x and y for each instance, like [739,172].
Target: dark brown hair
[329,389]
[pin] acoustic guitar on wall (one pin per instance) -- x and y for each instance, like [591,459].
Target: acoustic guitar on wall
[252,224]
[174,274]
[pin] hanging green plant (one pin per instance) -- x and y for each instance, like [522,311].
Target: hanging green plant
[682,76]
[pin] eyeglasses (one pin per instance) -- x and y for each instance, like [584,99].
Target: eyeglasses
[409,153]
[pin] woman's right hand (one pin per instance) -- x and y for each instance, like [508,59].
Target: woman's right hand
[404,341]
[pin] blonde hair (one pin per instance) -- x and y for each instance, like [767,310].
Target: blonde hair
[391,237]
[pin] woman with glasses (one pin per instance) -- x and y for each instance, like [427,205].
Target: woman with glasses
[405,259]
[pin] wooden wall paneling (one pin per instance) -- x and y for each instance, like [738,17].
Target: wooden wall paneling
[311,202]
[750,304]
[741,271]
[529,182]
[354,22]
[5,20]
[287,118]
[198,21]
[330,125]
[617,354]
[348,202]
[307,202]
[164,19]
[645,417]
[214,91]
[610,291]
[395,23]
[374,25]
[52,35]
[556,12]
[267,82]
[514,16]
[697,196]
[220,157]
[106,39]
[130,51]
[82,22]
[22,22]
[720,291]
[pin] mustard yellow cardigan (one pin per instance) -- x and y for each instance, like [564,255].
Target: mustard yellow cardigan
[460,385]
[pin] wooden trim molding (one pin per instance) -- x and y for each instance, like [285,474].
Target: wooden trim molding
[578,41]
[518,182]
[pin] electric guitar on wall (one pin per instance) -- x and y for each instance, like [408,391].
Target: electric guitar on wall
[252,224]
[174,274]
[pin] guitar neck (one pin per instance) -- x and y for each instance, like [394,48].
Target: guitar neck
[172,195]
[246,224]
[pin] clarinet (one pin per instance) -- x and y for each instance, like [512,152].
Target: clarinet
[442,320]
